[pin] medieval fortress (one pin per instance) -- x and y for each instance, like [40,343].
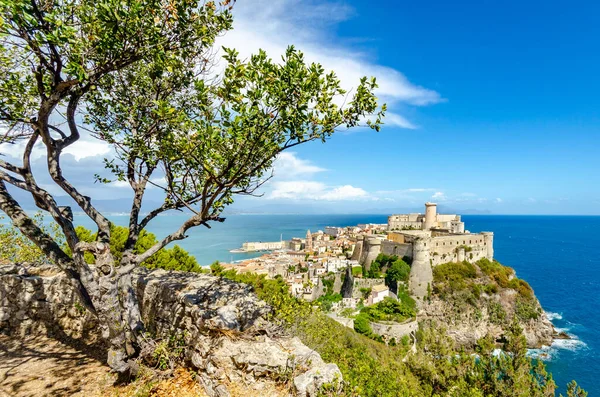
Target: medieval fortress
[428,240]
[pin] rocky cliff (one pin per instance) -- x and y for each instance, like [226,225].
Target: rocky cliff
[224,326]
[475,300]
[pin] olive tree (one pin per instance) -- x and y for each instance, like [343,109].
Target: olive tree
[144,77]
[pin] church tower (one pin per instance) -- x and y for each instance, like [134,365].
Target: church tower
[309,242]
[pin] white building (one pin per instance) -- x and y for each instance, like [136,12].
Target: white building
[378,293]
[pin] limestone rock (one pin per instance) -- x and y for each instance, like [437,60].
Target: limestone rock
[468,324]
[309,383]
[218,318]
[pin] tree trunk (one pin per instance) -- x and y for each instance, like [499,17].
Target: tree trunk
[118,311]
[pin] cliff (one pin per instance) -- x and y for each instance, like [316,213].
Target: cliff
[226,331]
[475,300]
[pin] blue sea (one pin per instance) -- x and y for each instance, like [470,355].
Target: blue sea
[558,255]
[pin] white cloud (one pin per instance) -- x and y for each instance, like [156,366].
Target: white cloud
[439,196]
[272,26]
[420,189]
[289,165]
[312,190]
[398,121]
[346,192]
[498,200]
[88,148]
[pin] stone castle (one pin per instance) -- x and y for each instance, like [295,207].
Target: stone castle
[428,240]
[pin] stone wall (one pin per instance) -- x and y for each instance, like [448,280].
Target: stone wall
[370,250]
[365,283]
[345,321]
[445,249]
[388,330]
[394,330]
[399,249]
[198,306]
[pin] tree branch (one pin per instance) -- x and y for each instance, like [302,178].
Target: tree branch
[49,247]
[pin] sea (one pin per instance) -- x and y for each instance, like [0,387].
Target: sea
[558,255]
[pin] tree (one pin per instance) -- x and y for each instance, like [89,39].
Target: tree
[398,271]
[141,75]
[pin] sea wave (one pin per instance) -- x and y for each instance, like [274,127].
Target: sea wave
[554,316]
[548,353]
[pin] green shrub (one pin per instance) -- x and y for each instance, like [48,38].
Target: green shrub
[175,258]
[496,313]
[362,325]
[391,309]
[527,309]
[454,271]
[326,301]
[398,271]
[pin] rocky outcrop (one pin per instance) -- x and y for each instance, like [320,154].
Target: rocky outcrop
[468,323]
[348,284]
[222,323]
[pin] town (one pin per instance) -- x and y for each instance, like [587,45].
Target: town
[342,268]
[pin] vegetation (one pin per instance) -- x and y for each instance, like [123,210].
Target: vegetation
[438,368]
[371,368]
[140,77]
[398,271]
[16,248]
[391,309]
[174,258]
[462,284]
[391,266]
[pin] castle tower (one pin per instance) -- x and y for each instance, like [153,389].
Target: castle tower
[371,249]
[430,216]
[309,242]
[421,272]
[488,239]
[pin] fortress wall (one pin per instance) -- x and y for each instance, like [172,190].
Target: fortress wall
[392,225]
[451,255]
[398,249]
[357,252]
[394,330]
[371,248]
[445,248]
[446,217]
[365,283]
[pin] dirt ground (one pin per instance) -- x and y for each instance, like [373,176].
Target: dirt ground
[42,366]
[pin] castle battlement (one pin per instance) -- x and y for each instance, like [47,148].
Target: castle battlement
[429,240]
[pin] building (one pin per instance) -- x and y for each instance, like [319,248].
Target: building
[431,220]
[333,231]
[309,242]
[263,246]
[378,293]
[427,241]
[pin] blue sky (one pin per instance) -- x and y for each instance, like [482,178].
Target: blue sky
[516,126]
[493,107]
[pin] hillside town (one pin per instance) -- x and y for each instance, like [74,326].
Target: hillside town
[337,260]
